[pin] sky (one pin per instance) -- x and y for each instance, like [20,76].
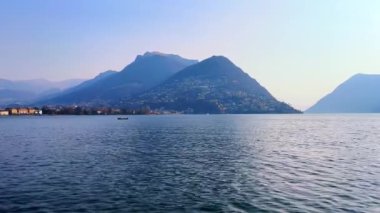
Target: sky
[300,50]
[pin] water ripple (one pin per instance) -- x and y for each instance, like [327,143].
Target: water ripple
[224,163]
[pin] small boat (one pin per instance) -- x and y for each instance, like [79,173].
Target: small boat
[122,118]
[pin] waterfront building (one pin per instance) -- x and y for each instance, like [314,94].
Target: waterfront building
[4,112]
[24,111]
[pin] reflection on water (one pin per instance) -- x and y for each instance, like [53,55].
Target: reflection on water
[241,163]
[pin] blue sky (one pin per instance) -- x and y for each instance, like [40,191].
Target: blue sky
[298,49]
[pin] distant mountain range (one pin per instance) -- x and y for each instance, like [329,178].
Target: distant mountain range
[161,82]
[359,94]
[169,82]
[23,92]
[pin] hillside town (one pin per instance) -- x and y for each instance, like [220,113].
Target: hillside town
[78,110]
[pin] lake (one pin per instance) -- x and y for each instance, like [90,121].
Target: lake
[190,163]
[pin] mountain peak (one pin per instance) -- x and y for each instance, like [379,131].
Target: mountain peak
[214,66]
[218,59]
[362,75]
[155,53]
[149,54]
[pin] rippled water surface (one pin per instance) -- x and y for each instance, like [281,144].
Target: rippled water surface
[216,163]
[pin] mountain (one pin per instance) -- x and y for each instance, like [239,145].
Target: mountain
[359,94]
[214,85]
[22,92]
[145,72]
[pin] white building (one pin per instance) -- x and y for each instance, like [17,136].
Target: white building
[4,112]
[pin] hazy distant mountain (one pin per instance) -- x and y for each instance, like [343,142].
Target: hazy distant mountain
[22,92]
[214,85]
[38,85]
[145,72]
[359,94]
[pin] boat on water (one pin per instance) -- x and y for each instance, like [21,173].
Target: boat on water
[122,118]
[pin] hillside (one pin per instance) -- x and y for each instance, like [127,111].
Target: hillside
[214,85]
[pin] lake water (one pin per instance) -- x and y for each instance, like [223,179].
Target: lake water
[192,163]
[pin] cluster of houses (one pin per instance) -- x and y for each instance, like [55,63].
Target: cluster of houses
[79,110]
[20,111]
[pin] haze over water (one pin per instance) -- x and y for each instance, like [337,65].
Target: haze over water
[242,163]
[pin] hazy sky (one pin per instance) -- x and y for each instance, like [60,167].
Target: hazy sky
[298,49]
